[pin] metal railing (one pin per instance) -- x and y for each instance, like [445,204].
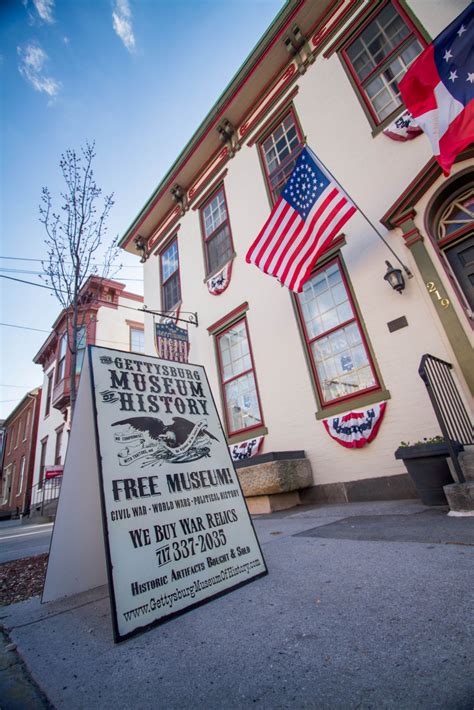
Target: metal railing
[450,410]
[44,493]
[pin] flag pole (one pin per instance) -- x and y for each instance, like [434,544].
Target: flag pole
[405,268]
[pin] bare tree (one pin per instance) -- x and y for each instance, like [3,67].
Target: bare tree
[74,237]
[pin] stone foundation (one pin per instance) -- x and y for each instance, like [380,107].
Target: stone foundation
[397,487]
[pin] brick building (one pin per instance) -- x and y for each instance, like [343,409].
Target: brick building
[19,455]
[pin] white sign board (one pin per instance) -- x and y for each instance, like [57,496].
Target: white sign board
[176,526]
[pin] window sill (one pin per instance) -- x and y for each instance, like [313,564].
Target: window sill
[216,271]
[247,434]
[365,400]
[377,128]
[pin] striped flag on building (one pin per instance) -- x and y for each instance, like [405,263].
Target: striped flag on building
[309,213]
[172,342]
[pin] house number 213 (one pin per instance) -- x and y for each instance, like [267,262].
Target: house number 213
[431,286]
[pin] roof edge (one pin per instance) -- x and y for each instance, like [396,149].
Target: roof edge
[244,69]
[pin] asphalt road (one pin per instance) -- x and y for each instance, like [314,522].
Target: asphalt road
[18,541]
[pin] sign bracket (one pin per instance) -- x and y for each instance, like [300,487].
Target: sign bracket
[192,316]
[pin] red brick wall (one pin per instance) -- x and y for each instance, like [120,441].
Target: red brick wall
[19,444]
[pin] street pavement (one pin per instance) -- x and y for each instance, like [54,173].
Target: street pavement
[366,605]
[18,541]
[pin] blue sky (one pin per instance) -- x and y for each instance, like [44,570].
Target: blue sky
[136,76]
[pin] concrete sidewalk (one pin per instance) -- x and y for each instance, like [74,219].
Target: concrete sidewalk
[366,605]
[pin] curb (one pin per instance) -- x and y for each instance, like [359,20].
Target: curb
[18,690]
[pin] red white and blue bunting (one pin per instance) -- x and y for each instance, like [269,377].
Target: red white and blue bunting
[218,283]
[356,429]
[404,128]
[246,449]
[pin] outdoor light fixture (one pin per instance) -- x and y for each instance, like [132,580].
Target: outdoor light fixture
[394,278]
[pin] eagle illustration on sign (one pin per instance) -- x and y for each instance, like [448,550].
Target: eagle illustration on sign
[151,441]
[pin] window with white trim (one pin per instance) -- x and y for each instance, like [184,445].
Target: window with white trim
[379,57]
[57,449]
[238,381]
[137,339]
[21,476]
[81,339]
[217,236]
[341,362]
[280,150]
[49,394]
[42,466]
[7,484]
[27,425]
[61,368]
[170,284]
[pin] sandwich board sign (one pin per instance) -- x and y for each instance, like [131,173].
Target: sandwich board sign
[150,499]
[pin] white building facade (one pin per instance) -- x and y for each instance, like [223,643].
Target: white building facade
[281,364]
[113,319]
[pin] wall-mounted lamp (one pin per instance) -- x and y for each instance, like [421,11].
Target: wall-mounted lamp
[140,245]
[394,278]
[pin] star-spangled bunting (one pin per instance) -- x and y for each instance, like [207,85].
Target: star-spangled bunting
[309,213]
[358,428]
[438,89]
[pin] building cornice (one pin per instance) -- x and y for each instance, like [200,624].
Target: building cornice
[193,170]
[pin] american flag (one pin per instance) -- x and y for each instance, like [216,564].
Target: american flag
[438,89]
[309,213]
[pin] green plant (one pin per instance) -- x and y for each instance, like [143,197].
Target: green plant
[438,439]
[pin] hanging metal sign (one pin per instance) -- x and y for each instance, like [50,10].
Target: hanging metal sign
[172,342]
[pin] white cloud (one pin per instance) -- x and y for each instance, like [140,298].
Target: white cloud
[45,8]
[122,23]
[32,61]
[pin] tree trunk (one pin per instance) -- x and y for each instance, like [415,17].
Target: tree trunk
[73,348]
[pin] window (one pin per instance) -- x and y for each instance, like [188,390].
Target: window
[27,425]
[17,433]
[21,476]
[80,347]
[44,445]
[61,369]
[137,340]
[451,219]
[218,247]
[7,484]
[170,285]
[379,57]
[57,449]
[49,392]
[280,151]
[338,352]
[239,386]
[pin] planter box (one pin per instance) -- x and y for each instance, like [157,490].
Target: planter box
[428,468]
